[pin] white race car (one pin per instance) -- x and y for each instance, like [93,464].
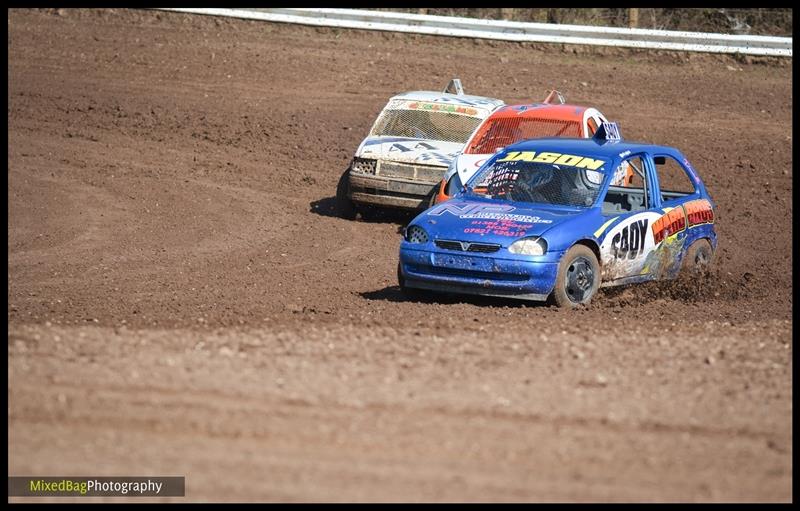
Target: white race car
[409,148]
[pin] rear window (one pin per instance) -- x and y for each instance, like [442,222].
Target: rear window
[503,132]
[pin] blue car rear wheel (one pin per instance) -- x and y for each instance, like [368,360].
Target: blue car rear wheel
[698,257]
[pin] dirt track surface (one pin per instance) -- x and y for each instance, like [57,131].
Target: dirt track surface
[183,301]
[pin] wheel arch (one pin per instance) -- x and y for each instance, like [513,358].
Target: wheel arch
[593,246]
[559,293]
[711,241]
[707,239]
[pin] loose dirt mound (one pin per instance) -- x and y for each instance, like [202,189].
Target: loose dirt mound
[182,299]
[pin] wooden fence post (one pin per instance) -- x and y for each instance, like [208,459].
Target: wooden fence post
[507,14]
[633,17]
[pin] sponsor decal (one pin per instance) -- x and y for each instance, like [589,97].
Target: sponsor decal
[505,216]
[436,158]
[699,212]
[650,242]
[673,222]
[497,227]
[384,140]
[488,212]
[476,101]
[677,219]
[626,244]
[437,107]
[691,171]
[662,261]
[629,243]
[570,160]
[419,146]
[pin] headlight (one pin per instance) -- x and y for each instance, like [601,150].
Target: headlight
[529,246]
[416,234]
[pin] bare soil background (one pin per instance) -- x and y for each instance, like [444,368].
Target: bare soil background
[184,301]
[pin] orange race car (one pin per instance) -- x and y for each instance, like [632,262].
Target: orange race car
[513,123]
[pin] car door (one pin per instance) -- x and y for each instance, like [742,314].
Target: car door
[630,208]
[686,214]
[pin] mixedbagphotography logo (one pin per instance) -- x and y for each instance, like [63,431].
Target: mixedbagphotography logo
[71,486]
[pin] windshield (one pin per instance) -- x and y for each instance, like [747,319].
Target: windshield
[561,180]
[506,131]
[426,124]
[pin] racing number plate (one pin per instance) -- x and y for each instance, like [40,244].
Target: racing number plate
[460,262]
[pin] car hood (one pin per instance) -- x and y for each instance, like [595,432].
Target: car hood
[410,150]
[491,221]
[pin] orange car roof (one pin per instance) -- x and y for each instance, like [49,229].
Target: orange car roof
[541,111]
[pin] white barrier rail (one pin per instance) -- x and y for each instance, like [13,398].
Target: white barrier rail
[514,30]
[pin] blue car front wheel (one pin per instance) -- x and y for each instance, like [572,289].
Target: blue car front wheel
[578,277]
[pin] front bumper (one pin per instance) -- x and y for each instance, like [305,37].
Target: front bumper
[383,191]
[455,272]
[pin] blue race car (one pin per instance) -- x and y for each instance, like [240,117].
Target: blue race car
[558,218]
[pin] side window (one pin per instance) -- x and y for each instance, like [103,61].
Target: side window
[673,180]
[628,191]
